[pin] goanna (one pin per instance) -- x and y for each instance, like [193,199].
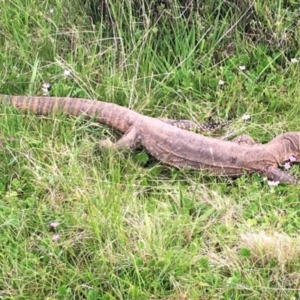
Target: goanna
[174,146]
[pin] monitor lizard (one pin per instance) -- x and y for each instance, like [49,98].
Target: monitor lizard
[175,146]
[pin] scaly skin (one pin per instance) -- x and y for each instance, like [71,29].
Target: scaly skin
[174,146]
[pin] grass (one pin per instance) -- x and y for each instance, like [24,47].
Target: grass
[130,228]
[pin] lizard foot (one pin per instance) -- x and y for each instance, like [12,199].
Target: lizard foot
[276,174]
[130,140]
[244,140]
[106,143]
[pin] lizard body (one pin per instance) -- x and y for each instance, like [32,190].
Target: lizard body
[174,146]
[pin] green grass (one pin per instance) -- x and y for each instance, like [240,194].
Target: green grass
[130,228]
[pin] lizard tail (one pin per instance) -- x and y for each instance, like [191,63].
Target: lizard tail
[110,114]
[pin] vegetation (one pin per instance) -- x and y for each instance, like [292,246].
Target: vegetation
[81,222]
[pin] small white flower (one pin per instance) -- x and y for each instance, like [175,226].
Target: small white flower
[246,117]
[294,60]
[221,82]
[273,183]
[45,89]
[51,10]
[46,85]
[242,68]
[54,224]
[55,237]
[67,73]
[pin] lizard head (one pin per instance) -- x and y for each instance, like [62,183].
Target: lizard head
[291,143]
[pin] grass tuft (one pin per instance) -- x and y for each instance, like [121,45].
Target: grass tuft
[267,247]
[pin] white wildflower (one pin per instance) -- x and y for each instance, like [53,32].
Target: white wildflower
[54,224]
[55,237]
[294,60]
[242,68]
[221,82]
[246,117]
[273,183]
[67,73]
[45,89]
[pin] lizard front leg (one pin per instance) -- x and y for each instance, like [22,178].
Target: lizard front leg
[130,140]
[275,174]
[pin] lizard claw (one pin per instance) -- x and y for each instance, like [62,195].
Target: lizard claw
[106,143]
